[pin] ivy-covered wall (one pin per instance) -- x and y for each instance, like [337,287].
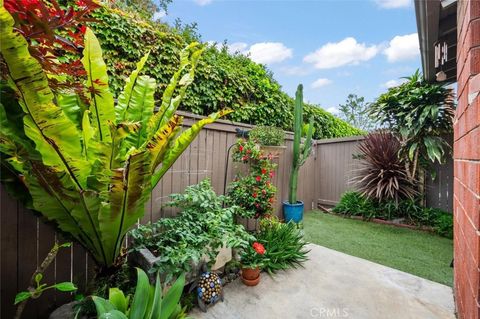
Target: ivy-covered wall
[222,79]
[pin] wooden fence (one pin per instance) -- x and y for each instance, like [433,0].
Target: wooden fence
[335,165]
[26,239]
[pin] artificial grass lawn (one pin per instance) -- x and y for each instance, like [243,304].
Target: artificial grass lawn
[416,252]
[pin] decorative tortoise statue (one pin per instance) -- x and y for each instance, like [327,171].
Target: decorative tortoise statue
[209,289]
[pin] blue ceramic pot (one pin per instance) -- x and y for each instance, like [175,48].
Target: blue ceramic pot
[293,211]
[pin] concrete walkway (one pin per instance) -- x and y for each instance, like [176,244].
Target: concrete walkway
[335,285]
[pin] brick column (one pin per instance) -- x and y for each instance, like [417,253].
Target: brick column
[467,162]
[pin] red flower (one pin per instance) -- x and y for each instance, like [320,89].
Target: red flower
[244,158]
[264,191]
[270,199]
[254,195]
[258,178]
[271,174]
[259,248]
[249,151]
[264,171]
[240,148]
[83,29]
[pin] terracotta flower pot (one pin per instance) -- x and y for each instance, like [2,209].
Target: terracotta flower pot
[252,282]
[250,273]
[251,276]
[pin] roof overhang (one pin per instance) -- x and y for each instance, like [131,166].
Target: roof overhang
[437,33]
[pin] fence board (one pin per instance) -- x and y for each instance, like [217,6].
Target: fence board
[9,253]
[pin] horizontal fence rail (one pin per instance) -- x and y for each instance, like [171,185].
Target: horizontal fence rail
[26,239]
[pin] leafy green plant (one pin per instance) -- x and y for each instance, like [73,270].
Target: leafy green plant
[246,151]
[253,192]
[443,224]
[382,173]
[421,114]
[301,151]
[201,228]
[36,287]
[90,168]
[354,204]
[253,256]
[267,135]
[410,210]
[148,302]
[284,244]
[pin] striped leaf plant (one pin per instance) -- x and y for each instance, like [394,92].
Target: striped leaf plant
[90,167]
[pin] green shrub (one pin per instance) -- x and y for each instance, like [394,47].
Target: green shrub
[443,224]
[267,135]
[222,79]
[284,244]
[354,204]
[201,228]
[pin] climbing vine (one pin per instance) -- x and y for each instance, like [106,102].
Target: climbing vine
[222,79]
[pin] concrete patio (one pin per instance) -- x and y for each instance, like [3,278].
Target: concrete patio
[335,285]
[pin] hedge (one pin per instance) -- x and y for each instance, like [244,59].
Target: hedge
[222,79]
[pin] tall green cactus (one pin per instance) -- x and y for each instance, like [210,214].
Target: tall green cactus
[301,151]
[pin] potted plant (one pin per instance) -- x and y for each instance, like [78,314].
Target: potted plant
[293,208]
[252,260]
[253,192]
[270,140]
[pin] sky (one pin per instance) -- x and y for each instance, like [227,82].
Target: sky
[332,47]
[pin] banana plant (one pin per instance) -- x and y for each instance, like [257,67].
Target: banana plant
[148,302]
[301,151]
[90,167]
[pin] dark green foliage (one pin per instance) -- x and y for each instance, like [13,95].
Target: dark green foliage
[354,204]
[121,278]
[201,228]
[421,114]
[444,224]
[284,245]
[222,79]
[267,135]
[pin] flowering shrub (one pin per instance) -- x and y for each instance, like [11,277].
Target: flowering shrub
[254,193]
[246,151]
[254,256]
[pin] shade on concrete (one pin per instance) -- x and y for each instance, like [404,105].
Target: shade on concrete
[335,285]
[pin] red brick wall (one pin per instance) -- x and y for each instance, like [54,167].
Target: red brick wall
[467,162]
